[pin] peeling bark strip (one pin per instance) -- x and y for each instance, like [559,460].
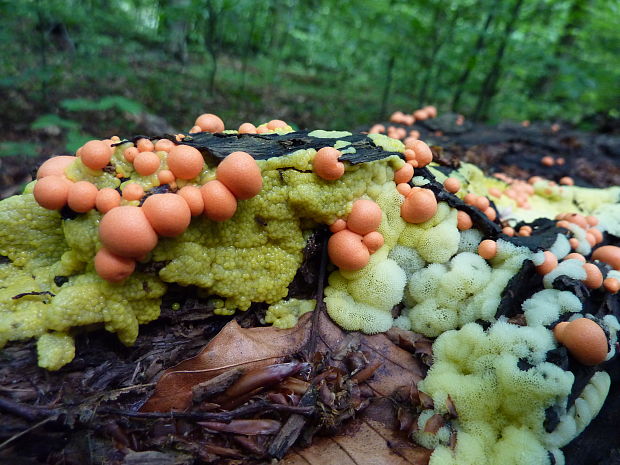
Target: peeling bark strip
[265,146]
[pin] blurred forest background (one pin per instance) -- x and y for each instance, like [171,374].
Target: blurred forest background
[73,69]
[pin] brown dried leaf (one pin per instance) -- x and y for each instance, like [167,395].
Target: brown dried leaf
[253,348]
[371,439]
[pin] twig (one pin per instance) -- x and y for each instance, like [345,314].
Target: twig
[26,431]
[293,427]
[256,407]
[320,304]
[26,411]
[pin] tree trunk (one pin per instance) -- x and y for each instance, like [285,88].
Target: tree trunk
[575,21]
[210,42]
[246,52]
[388,83]
[473,57]
[489,86]
[176,25]
[437,43]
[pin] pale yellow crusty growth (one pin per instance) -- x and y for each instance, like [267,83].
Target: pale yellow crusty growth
[285,313]
[501,408]
[251,258]
[254,256]
[33,239]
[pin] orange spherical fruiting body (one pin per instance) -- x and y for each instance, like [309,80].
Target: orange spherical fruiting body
[423,153]
[338,225]
[165,177]
[365,217]
[592,220]
[373,241]
[168,214]
[490,213]
[403,189]
[452,185]
[107,199]
[487,249]
[508,231]
[220,203]
[470,199]
[125,231]
[567,181]
[51,192]
[598,235]
[347,251]
[164,145]
[193,197]
[575,256]
[130,154]
[326,164]
[463,221]
[584,339]
[404,174]
[112,267]
[612,285]
[609,254]
[547,161]
[241,174]
[276,124]
[185,162]
[482,203]
[82,196]
[420,115]
[96,154]
[133,191]
[146,163]
[145,145]
[55,166]
[247,128]
[210,123]
[419,206]
[594,277]
[577,219]
[549,264]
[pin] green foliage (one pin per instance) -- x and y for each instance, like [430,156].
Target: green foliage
[53,121]
[113,102]
[23,149]
[336,63]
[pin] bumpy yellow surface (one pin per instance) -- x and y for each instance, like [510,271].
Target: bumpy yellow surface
[285,314]
[251,258]
[501,407]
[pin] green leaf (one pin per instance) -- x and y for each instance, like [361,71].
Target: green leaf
[25,149]
[49,120]
[112,102]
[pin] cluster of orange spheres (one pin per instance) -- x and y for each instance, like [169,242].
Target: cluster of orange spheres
[212,123]
[128,233]
[353,241]
[398,117]
[356,238]
[587,223]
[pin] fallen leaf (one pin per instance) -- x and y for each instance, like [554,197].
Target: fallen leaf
[252,348]
[371,439]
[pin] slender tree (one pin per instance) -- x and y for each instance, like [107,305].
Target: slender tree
[489,86]
[473,55]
